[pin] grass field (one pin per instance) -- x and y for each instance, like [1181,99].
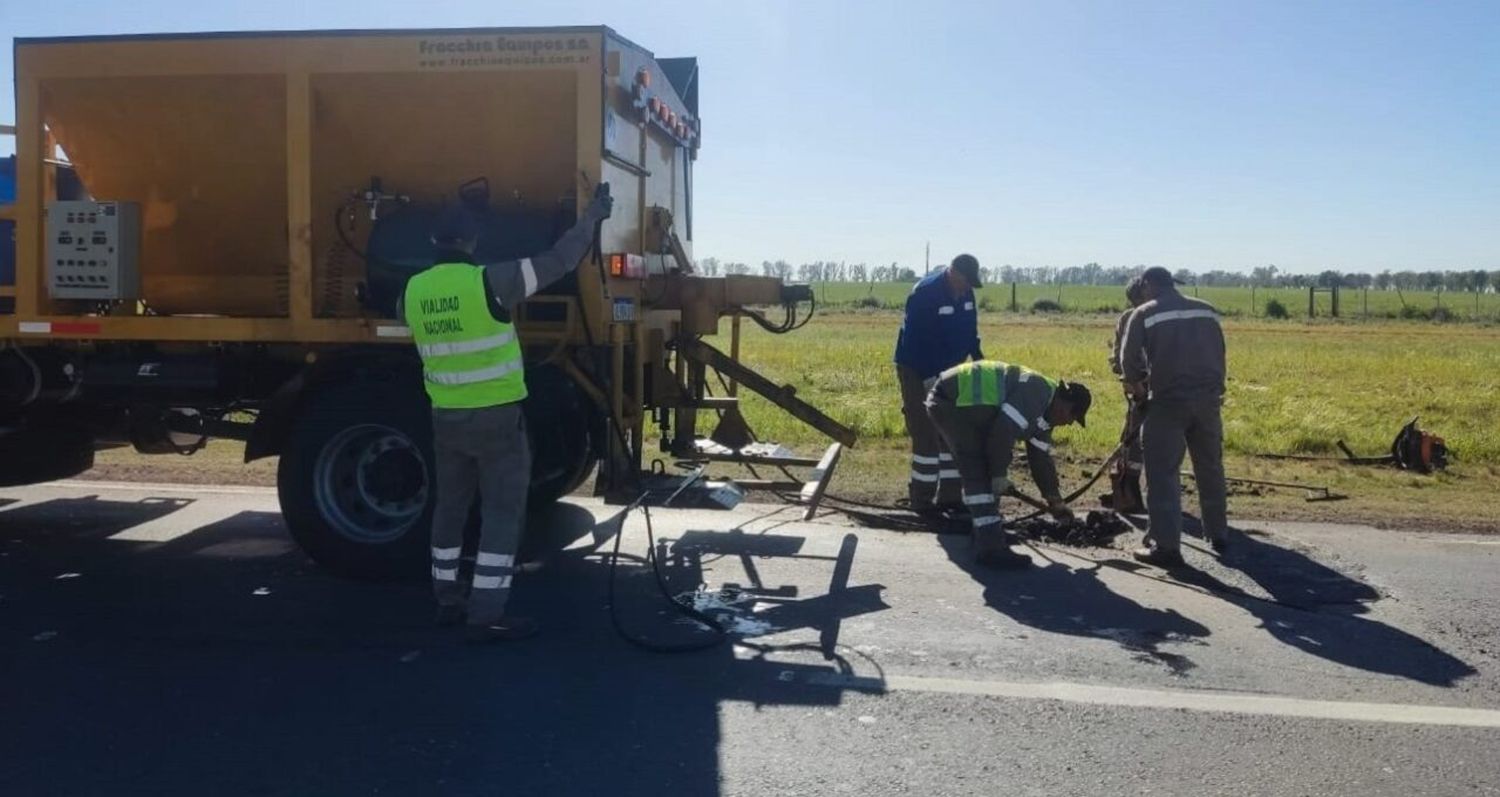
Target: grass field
[1245,302]
[1293,388]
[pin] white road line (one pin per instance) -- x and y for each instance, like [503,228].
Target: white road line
[190,517]
[153,487]
[1222,702]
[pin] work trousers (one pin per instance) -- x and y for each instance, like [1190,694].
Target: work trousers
[933,480]
[1134,454]
[482,451]
[1172,428]
[975,437]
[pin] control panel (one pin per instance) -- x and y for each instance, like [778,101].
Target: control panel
[93,250]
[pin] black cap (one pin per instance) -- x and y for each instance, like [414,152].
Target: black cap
[1133,291]
[1078,396]
[455,224]
[1160,277]
[968,266]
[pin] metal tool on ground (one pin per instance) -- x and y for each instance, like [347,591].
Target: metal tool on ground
[1314,492]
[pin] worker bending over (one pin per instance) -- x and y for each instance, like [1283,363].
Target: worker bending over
[981,409]
[940,330]
[1173,355]
[461,318]
[1125,481]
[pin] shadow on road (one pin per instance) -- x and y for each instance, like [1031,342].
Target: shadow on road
[1318,609]
[224,662]
[1074,601]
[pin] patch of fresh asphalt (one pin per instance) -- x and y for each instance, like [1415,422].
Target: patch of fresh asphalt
[166,640]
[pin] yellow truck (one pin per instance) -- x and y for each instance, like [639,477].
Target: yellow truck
[211,231]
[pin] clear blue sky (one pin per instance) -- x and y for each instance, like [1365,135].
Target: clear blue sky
[1350,135]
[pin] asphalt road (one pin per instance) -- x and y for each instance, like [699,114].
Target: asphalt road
[161,640]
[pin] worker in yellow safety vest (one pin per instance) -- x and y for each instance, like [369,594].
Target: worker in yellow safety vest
[460,315]
[982,409]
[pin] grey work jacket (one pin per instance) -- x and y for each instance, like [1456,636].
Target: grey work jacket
[1177,342]
[1022,415]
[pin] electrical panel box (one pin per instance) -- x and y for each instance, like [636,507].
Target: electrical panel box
[93,250]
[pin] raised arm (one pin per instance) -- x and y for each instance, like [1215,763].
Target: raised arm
[513,281]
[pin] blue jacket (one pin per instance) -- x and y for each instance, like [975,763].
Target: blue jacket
[939,331]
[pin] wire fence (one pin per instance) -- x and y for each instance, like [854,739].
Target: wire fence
[1247,302]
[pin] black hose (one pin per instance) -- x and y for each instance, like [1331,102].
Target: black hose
[338,226]
[1068,499]
[719,634]
[617,424]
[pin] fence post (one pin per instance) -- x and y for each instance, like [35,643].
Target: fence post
[1013,307]
[1311,305]
[1335,301]
[1366,301]
[1254,308]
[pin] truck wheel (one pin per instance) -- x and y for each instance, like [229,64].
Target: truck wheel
[356,477]
[355,481]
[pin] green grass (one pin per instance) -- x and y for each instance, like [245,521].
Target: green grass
[1245,302]
[1294,387]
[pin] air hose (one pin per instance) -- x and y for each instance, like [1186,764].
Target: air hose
[617,425]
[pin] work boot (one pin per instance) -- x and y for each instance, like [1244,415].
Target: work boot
[992,549]
[1221,547]
[506,629]
[450,615]
[926,511]
[1152,555]
[953,509]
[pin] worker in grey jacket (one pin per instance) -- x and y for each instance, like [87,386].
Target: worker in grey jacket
[982,409]
[1173,356]
[1125,482]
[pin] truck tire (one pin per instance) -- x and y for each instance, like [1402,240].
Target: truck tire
[355,478]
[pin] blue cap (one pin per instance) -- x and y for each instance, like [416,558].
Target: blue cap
[455,223]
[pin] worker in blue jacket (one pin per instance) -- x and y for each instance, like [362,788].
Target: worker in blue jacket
[941,330]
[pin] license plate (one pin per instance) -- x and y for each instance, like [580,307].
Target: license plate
[624,310]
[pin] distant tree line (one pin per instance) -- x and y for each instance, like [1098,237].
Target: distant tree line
[1475,280]
[821,271]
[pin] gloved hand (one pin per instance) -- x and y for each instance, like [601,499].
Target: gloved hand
[602,205]
[1059,510]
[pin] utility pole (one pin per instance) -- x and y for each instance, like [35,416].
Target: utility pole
[927,260]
